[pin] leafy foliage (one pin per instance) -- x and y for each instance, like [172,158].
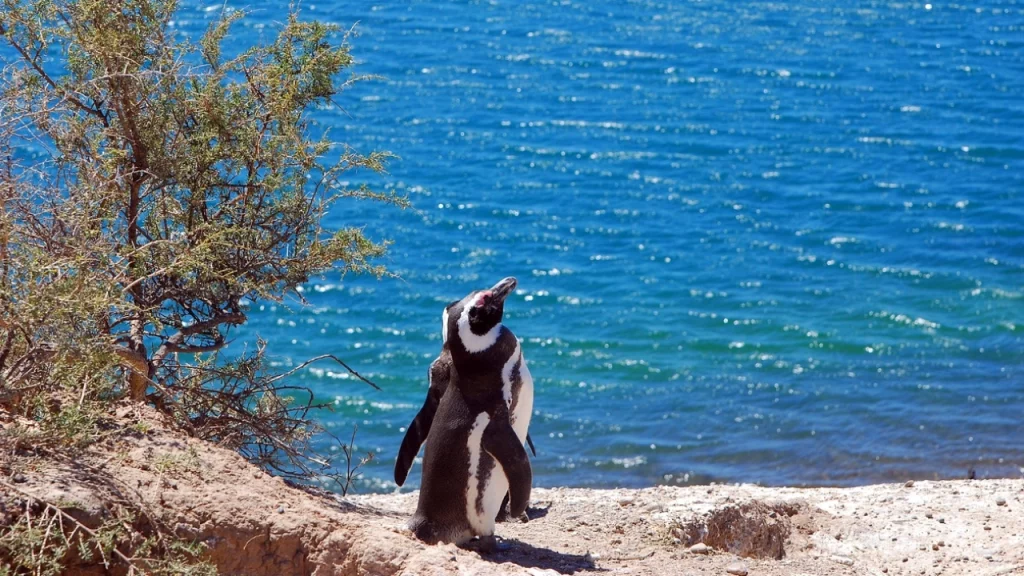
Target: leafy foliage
[151,188]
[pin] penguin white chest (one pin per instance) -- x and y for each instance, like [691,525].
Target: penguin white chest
[517,388]
[481,484]
[488,483]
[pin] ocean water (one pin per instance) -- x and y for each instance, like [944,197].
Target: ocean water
[755,241]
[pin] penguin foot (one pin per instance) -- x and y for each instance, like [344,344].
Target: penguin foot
[488,545]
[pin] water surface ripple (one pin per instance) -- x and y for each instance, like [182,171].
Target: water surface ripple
[761,242]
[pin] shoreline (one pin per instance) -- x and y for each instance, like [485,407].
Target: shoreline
[251,523]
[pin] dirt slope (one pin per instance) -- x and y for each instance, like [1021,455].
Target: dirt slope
[256,525]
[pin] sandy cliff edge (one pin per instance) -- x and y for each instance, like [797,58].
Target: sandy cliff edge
[254,524]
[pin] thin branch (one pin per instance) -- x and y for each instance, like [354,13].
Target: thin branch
[177,340]
[46,78]
[82,527]
[322,357]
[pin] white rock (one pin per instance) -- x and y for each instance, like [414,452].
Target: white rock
[737,569]
[843,560]
[654,507]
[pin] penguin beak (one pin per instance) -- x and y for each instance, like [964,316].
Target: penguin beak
[495,296]
[501,290]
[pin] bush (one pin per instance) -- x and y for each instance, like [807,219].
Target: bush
[167,188]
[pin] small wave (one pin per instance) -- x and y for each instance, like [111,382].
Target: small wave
[951,226]
[884,140]
[586,124]
[640,54]
[630,462]
[1007,294]
[906,320]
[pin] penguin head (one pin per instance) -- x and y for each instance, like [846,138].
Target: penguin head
[476,319]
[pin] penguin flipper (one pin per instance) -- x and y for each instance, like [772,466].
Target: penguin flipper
[419,428]
[414,437]
[501,442]
[503,515]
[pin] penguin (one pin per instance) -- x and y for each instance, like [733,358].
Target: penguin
[474,452]
[438,376]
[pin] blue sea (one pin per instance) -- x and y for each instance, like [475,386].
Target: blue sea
[766,242]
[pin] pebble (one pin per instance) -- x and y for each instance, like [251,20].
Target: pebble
[909,484]
[1000,501]
[19,478]
[280,509]
[737,569]
[699,548]
[655,507]
[843,560]
[626,501]
[927,514]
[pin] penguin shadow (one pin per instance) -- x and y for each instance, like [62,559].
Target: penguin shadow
[535,512]
[530,556]
[342,505]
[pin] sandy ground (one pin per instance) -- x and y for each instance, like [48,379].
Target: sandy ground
[957,527]
[254,525]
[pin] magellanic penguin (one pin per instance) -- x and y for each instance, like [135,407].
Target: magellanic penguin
[474,452]
[438,377]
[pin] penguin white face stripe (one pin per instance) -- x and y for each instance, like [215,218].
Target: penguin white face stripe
[444,326]
[473,342]
[476,435]
[506,374]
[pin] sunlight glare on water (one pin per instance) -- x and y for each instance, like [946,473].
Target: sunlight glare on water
[760,242]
